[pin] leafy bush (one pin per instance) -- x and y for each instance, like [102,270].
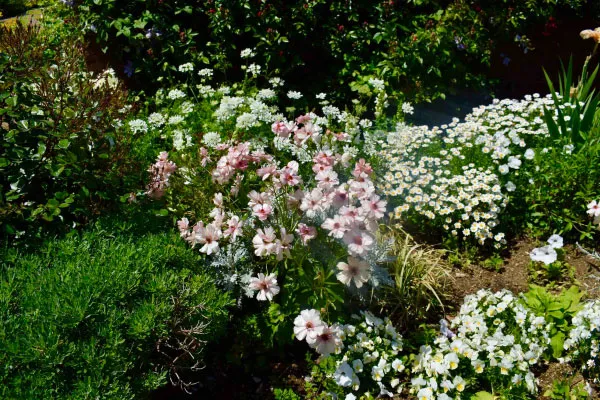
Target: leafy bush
[99,316]
[61,152]
[424,47]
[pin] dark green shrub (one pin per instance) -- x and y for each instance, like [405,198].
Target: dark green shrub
[61,153]
[423,47]
[97,316]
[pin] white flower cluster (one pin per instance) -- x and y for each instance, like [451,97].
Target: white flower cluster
[547,254]
[454,174]
[493,335]
[371,360]
[584,339]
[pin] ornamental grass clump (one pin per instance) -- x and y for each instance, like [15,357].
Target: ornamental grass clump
[491,344]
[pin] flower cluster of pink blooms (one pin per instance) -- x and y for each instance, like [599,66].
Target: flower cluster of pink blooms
[303,130]
[347,209]
[323,338]
[160,172]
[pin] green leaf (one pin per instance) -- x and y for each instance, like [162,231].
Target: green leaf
[482,396]
[64,143]
[557,343]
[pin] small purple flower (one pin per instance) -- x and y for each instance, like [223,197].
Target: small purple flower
[152,32]
[459,44]
[128,69]
[445,329]
[69,3]
[505,59]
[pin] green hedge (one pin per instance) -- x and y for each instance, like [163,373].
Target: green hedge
[82,316]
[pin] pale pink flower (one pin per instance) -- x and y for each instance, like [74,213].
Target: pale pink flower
[262,211]
[209,237]
[204,157]
[342,137]
[327,179]
[283,245]
[340,197]
[266,172]
[312,203]
[358,241]
[234,228]
[361,190]
[192,237]
[327,340]
[266,286]
[362,167]
[355,270]
[294,199]
[289,174]
[258,198]
[308,325]
[184,226]
[306,233]
[594,209]
[336,226]
[218,200]
[351,213]
[303,119]
[325,157]
[237,184]
[374,207]
[282,129]
[264,242]
[218,216]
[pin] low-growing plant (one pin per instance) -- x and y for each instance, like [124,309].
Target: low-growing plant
[568,388]
[490,346]
[557,309]
[367,361]
[583,343]
[99,316]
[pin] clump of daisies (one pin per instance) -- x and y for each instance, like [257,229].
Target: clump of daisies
[583,342]
[461,176]
[491,344]
[367,363]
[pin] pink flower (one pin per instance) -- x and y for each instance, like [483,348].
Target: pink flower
[283,129]
[266,286]
[218,200]
[594,209]
[262,211]
[204,157]
[358,241]
[340,197]
[355,270]
[326,341]
[234,228]
[361,190]
[336,226]
[374,207]
[183,225]
[209,237]
[258,198]
[294,199]
[283,245]
[306,233]
[266,172]
[303,119]
[218,216]
[362,167]
[327,179]
[264,242]
[312,203]
[325,158]
[289,174]
[308,325]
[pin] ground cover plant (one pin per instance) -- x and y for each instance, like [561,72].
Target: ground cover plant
[263,220]
[97,316]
